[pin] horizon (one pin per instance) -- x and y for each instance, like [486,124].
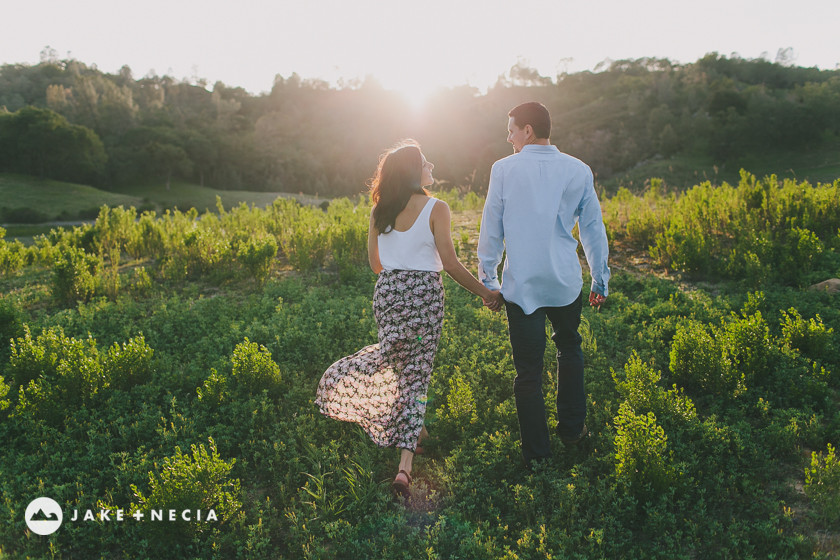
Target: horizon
[784,57]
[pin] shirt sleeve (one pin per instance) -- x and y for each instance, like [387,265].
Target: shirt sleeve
[593,237]
[491,237]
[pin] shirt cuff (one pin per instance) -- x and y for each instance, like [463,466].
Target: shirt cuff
[599,288]
[491,283]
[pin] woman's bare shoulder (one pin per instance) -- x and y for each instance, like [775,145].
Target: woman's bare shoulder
[440,207]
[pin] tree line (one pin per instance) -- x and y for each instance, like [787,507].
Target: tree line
[66,120]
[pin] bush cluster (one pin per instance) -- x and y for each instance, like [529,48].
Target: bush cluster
[760,231]
[53,373]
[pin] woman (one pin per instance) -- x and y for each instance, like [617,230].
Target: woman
[383,387]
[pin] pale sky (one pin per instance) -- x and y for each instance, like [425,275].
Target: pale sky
[413,47]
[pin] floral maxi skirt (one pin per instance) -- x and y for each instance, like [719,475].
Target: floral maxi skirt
[383,387]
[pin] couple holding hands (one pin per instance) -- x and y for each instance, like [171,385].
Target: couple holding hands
[534,199]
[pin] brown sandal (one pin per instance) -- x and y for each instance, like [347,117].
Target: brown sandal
[399,487]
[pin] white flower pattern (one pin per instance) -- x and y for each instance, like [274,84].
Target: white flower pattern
[383,387]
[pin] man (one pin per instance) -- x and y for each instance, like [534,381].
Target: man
[534,200]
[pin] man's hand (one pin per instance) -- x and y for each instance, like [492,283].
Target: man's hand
[494,302]
[596,299]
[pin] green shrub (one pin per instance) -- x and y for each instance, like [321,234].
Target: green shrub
[642,460]
[194,247]
[459,201]
[256,255]
[196,481]
[700,361]
[723,360]
[146,238]
[113,229]
[306,247]
[683,248]
[11,326]
[140,282]
[822,485]
[204,251]
[129,364]
[348,237]
[4,390]
[74,275]
[214,391]
[810,337]
[254,370]
[639,386]
[746,339]
[33,358]
[13,256]
[798,254]
[756,270]
[460,404]
[56,374]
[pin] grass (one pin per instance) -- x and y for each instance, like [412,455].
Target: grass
[680,172]
[183,195]
[820,166]
[28,199]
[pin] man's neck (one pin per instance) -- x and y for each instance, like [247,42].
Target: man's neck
[541,142]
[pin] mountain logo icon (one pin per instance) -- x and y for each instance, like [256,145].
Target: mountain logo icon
[43,516]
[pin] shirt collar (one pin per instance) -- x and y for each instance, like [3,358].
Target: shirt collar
[538,148]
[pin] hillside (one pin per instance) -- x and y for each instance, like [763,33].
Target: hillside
[681,172]
[29,200]
[631,120]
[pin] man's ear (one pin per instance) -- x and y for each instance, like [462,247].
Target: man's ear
[529,130]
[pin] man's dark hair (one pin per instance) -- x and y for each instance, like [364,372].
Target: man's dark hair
[536,115]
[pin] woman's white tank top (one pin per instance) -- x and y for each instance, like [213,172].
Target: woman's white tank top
[413,249]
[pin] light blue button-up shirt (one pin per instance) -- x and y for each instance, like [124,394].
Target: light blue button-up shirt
[533,202]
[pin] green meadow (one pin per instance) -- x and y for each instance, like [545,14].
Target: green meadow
[156,360]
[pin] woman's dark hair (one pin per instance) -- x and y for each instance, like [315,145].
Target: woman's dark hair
[536,115]
[397,177]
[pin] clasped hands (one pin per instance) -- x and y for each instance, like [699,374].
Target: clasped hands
[494,301]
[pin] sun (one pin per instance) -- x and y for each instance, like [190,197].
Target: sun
[415,92]
[416,98]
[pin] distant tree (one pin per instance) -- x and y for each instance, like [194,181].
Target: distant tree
[168,159]
[150,151]
[43,143]
[786,57]
[202,148]
[520,74]
[22,85]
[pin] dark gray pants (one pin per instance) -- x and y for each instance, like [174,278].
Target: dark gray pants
[527,339]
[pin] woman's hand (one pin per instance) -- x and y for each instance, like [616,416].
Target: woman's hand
[493,300]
